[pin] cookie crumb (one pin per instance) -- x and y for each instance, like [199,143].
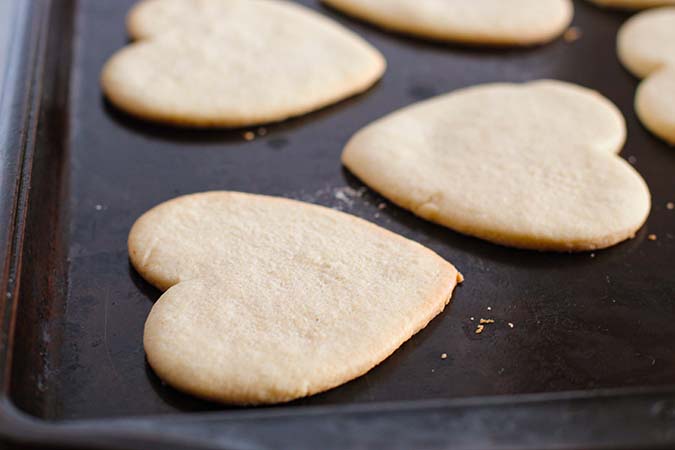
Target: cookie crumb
[670,206]
[381,206]
[572,34]
[444,356]
[340,195]
[511,325]
[249,136]
[486,321]
[479,329]
[262,131]
[632,159]
[651,237]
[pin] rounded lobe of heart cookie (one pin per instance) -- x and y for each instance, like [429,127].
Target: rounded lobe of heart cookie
[632,4]
[251,62]
[272,299]
[645,41]
[530,166]
[478,22]
[655,103]
[150,18]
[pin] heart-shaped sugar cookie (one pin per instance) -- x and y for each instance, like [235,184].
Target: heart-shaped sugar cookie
[234,63]
[531,166]
[646,46]
[270,299]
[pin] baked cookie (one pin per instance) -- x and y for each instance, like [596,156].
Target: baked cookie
[646,46]
[235,63]
[655,103]
[646,42]
[478,22]
[269,299]
[632,4]
[531,166]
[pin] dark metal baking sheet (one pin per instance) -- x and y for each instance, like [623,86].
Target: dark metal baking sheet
[78,172]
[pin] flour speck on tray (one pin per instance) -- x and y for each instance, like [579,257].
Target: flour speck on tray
[342,198]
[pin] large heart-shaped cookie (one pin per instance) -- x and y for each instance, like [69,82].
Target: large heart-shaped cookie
[531,166]
[233,63]
[646,46]
[477,22]
[272,299]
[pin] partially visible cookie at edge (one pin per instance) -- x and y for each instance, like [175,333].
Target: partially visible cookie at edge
[646,42]
[632,4]
[476,22]
[646,47]
[655,103]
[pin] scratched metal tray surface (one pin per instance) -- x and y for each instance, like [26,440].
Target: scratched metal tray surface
[581,354]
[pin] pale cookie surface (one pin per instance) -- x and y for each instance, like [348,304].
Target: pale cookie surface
[531,166]
[272,299]
[655,103]
[489,22]
[646,42]
[233,63]
[633,4]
